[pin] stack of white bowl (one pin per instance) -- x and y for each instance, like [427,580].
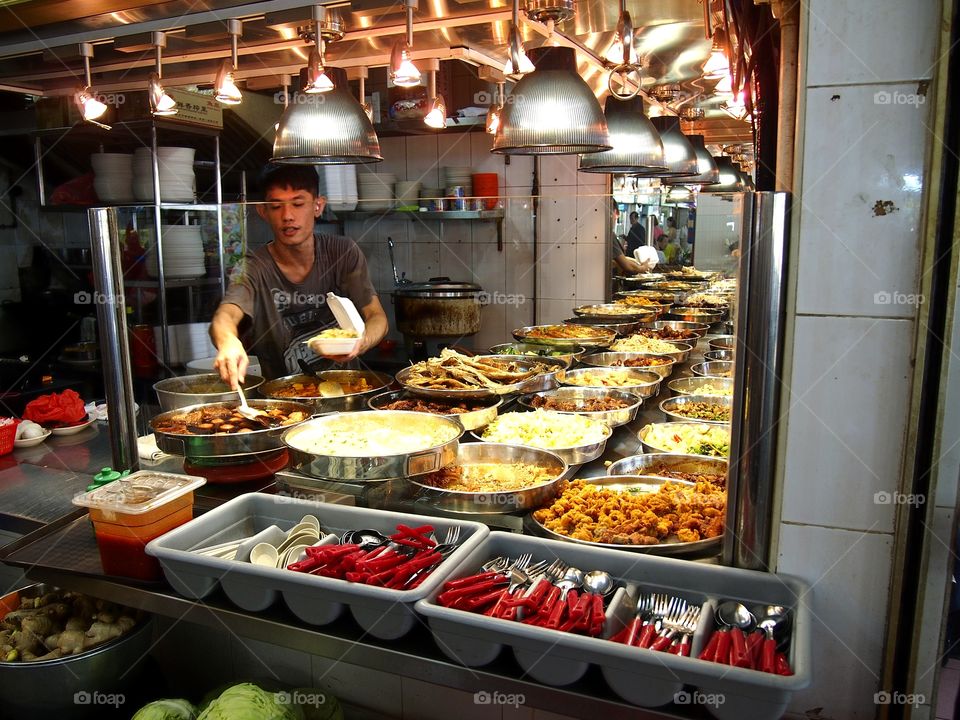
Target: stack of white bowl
[182,253]
[339,186]
[177,180]
[113,176]
[453,176]
[407,193]
[375,191]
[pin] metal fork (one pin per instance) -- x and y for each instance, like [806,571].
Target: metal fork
[672,623]
[686,627]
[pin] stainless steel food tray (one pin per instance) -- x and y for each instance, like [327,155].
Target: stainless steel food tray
[225,444]
[345,403]
[506,501]
[470,420]
[616,359]
[541,381]
[595,339]
[612,418]
[365,468]
[646,383]
[671,406]
[620,482]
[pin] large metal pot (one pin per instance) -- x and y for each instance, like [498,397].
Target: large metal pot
[438,308]
[178,392]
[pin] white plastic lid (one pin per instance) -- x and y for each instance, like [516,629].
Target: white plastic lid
[139,492]
[346,313]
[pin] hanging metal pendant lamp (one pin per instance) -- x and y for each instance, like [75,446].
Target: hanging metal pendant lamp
[678,153]
[555,111]
[637,149]
[327,129]
[707,171]
[730,180]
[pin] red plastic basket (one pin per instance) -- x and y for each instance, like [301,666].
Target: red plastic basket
[8,433]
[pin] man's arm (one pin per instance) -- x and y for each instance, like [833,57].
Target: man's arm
[628,265]
[232,359]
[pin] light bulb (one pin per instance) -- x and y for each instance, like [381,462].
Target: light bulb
[403,72]
[437,117]
[225,87]
[615,52]
[716,66]
[90,107]
[160,102]
[525,65]
[493,119]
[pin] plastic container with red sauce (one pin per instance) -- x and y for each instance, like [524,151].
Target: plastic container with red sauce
[130,512]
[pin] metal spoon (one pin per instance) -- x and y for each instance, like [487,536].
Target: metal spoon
[366,539]
[738,619]
[598,582]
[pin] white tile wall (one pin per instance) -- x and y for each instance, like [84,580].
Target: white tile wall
[355,684]
[886,40]
[558,170]
[422,160]
[454,150]
[848,417]
[255,660]
[865,263]
[557,270]
[519,173]
[850,575]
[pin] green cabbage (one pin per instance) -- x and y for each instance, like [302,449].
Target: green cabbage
[167,710]
[248,702]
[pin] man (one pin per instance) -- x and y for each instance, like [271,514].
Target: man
[624,263]
[671,248]
[277,296]
[637,236]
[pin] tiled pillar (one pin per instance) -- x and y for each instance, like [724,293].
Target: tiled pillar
[864,138]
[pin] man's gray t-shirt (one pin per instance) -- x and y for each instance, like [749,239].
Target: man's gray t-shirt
[280,315]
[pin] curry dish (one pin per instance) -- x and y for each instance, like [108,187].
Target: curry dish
[676,512]
[311,389]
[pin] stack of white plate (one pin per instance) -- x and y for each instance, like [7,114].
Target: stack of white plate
[453,176]
[182,253]
[113,176]
[407,193]
[375,191]
[339,186]
[177,180]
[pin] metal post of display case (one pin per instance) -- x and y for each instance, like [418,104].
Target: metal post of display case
[112,322]
[761,310]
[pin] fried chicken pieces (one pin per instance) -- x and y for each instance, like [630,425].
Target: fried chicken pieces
[597,514]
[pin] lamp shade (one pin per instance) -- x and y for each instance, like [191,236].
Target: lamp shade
[678,153]
[637,149]
[326,129]
[708,173]
[730,180]
[552,110]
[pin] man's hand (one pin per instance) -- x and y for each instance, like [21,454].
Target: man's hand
[232,362]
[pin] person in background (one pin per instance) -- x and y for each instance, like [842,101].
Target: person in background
[671,250]
[277,295]
[637,236]
[657,232]
[626,265]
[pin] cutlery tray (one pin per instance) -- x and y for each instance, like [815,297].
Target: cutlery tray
[642,677]
[383,612]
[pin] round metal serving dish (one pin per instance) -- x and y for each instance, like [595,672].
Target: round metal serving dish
[647,447]
[542,381]
[697,315]
[534,350]
[503,501]
[576,455]
[674,286]
[580,395]
[679,355]
[643,382]
[694,385]
[722,355]
[470,420]
[620,327]
[179,392]
[226,444]
[342,403]
[667,297]
[699,329]
[366,467]
[648,464]
[656,310]
[592,337]
[662,365]
[722,342]
[673,407]
[48,688]
[714,368]
[621,483]
[616,312]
